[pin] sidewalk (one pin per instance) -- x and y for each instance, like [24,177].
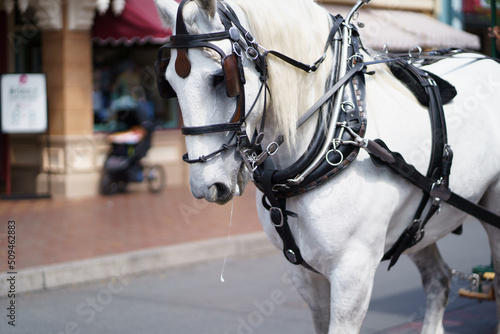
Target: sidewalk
[63,242]
[65,233]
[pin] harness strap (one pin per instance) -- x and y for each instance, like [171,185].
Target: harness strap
[400,167]
[439,141]
[410,237]
[230,17]
[329,94]
[439,166]
[279,140]
[279,218]
[205,158]
[201,130]
[337,21]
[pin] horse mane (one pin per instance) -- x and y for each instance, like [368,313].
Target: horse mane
[298,29]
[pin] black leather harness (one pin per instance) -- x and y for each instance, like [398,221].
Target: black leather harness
[435,183]
[347,127]
[440,161]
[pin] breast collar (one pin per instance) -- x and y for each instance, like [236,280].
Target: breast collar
[339,131]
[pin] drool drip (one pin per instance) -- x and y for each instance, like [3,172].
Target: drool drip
[227,242]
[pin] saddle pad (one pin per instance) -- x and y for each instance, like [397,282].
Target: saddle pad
[447,90]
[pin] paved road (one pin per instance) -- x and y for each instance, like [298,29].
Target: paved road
[255,298]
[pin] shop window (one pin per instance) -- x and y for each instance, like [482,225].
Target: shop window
[26,41]
[129,70]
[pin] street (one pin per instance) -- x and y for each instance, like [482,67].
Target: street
[256,297]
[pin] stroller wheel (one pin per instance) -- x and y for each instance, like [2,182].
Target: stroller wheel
[156,178]
[108,185]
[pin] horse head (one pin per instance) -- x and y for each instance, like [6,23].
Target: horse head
[209,71]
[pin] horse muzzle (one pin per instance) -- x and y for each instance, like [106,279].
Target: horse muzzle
[221,191]
[218,192]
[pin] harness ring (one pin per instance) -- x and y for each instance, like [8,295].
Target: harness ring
[417,54]
[334,163]
[347,103]
[355,58]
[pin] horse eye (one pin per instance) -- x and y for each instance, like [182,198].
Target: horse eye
[217,78]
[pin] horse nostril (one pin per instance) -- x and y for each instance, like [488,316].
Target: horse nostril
[222,190]
[220,193]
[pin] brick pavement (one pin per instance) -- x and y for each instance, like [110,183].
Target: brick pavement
[58,230]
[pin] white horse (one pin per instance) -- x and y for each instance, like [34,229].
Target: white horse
[345,225]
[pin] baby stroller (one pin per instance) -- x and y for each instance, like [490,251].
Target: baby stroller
[124,161]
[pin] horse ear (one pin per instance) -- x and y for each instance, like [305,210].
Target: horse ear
[209,6]
[167,9]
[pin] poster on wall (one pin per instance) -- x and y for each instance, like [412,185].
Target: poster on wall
[24,103]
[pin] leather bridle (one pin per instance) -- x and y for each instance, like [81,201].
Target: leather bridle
[243,44]
[232,68]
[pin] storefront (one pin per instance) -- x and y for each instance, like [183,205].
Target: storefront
[124,53]
[92,52]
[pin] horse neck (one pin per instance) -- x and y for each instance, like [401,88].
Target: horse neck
[289,152]
[295,147]
[298,29]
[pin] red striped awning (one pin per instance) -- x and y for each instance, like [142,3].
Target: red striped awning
[139,23]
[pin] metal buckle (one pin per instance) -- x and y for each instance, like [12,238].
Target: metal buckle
[252,53]
[237,49]
[291,256]
[432,82]
[272,148]
[280,186]
[250,39]
[259,139]
[275,214]
[419,233]
[242,141]
[439,191]
[347,103]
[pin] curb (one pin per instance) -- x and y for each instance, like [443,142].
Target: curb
[119,265]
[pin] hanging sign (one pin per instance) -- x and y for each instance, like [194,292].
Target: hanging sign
[24,103]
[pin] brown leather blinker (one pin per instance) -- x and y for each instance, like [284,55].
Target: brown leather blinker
[182,64]
[232,77]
